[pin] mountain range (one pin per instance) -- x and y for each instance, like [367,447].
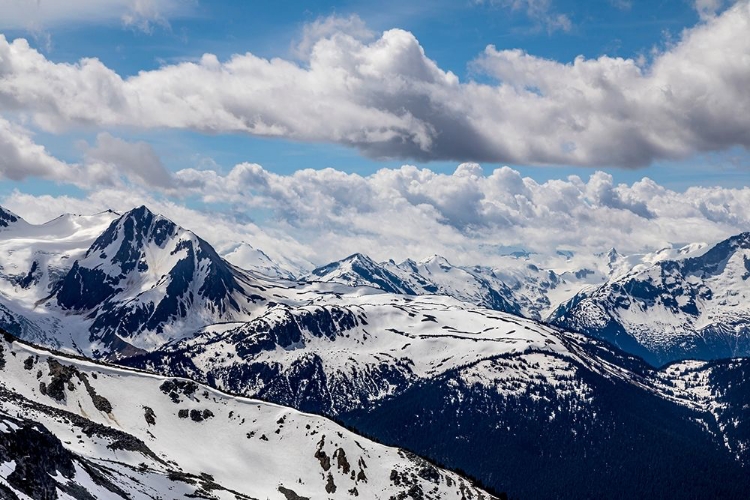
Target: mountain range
[524,377]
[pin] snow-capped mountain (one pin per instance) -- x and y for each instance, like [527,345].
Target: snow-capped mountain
[696,307]
[34,257]
[518,287]
[524,284]
[361,270]
[145,280]
[70,428]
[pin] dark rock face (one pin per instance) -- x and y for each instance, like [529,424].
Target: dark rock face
[260,335]
[305,384]
[84,289]
[176,388]
[60,378]
[38,455]
[100,402]
[32,277]
[149,415]
[7,218]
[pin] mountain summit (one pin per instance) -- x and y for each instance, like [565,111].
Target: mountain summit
[145,279]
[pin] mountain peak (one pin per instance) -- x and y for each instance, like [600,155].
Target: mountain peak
[143,273]
[360,258]
[132,230]
[437,259]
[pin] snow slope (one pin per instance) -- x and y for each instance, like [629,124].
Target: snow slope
[119,433]
[350,351]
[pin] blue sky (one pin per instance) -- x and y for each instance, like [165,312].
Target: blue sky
[452,33]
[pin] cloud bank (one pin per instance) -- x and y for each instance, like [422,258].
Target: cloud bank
[470,216]
[387,98]
[44,14]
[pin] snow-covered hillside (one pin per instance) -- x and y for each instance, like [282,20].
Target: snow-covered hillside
[422,354]
[351,350]
[697,307]
[468,386]
[70,428]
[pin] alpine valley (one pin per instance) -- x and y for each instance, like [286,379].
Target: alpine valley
[138,362]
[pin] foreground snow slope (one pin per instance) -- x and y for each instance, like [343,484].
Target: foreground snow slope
[136,435]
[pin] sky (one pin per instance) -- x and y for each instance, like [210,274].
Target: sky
[397,128]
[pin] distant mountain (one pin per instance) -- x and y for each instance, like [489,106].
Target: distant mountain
[33,260]
[70,428]
[250,258]
[696,307]
[519,288]
[34,257]
[361,270]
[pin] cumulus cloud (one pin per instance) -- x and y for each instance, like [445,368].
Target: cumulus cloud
[109,162]
[316,216]
[44,14]
[388,99]
[326,27]
[20,157]
[136,160]
[470,216]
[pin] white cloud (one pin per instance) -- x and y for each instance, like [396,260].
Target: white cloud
[707,8]
[45,14]
[539,11]
[322,215]
[326,27]
[20,157]
[109,162]
[389,100]
[136,160]
[622,4]
[467,216]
